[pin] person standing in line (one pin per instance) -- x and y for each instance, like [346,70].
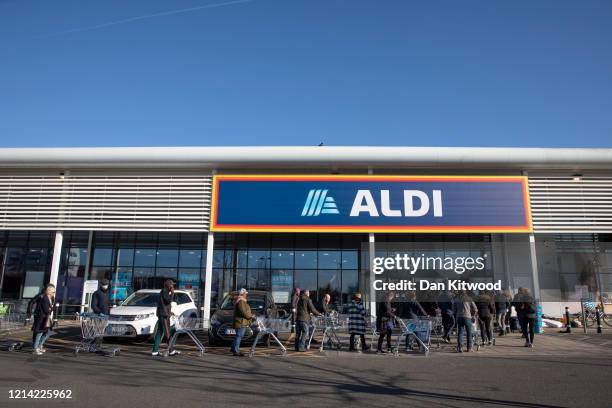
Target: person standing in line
[384,322]
[445,304]
[357,322]
[241,322]
[326,306]
[486,311]
[464,310]
[164,312]
[100,303]
[501,308]
[516,302]
[304,309]
[527,310]
[294,301]
[43,320]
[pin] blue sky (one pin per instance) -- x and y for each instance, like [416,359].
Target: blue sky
[288,72]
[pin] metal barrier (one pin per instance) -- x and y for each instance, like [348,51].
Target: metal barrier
[93,330]
[270,327]
[188,325]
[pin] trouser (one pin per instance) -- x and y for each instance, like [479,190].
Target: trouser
[301,335]
[448,321]
[507,318]
[528,328]
[385,331]
[500,318]
[484,323]
[521,321]
[163,329]
[361,337]
[235,348]
[464,324]
[41,338]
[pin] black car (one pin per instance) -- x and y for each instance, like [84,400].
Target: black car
[221,322]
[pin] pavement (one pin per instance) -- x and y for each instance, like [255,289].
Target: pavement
[561,371]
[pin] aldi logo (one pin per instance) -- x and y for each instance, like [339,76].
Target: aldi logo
[318,202]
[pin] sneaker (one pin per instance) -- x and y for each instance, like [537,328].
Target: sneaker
[380,352]
[238,354]
[489,343]
[42,350]
[459,350]
[469,350]
[174,353]
[37,352]
[155,353]
[530,345]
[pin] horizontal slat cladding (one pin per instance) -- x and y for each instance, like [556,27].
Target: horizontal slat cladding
[113,203]
[571,204]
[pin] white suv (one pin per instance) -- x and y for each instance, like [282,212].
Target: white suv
[136,316]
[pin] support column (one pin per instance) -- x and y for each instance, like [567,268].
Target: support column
[87,269]
[57,256]
[210,244]
[371,291]
[534,268]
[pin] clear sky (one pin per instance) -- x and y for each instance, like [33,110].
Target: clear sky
[288,72]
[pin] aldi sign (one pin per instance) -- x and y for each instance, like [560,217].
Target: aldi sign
[334,203]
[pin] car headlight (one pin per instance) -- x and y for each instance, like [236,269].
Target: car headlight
[144,316]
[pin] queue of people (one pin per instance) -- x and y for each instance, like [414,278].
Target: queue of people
[460,310]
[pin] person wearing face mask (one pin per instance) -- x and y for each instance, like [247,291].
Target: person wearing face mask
[100,299]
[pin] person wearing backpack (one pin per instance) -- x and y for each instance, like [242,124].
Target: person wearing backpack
[527,311]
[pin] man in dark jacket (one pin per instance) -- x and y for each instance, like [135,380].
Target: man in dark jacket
[99,299]
[486,311]
[302,320]
[445,304]
[242,320]
[526,310]
[384,322]
[164,312]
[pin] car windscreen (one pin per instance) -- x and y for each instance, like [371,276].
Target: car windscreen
[256,303]
[142,299]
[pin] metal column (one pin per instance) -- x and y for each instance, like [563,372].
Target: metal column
[210,244]
[57,256]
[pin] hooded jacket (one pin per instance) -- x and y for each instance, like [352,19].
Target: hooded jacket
[100,302]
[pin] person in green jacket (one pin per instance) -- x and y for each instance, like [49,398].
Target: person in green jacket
[242,320]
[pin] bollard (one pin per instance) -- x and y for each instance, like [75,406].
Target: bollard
[598,318]
[568,325]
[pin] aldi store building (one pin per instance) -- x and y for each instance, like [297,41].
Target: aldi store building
[274,218]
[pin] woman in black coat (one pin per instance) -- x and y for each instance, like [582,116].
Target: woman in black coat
[43,319]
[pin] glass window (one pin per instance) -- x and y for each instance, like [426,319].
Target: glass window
[218,258]
[103,256]
[241,279]
[329,282]
[350,284]
[282,259]
[100,272]
[167,258]
[305,259]
[121,285]
[189,279]
[282,285]
[190,258]
[144,278]
[241,259]
[162,274]
[258,279]
[305,280]
[259,259]
[329,260]
[350,260]
[125,256]
[144,257]
[181,298]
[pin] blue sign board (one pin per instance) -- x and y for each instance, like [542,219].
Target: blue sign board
[370,203]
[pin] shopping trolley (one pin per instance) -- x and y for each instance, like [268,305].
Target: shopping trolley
[414,330]
[330,325]
[270,327]
[187,325]
[9,322]
[93,330]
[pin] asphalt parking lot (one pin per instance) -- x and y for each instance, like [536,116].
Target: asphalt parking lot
[558,372]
